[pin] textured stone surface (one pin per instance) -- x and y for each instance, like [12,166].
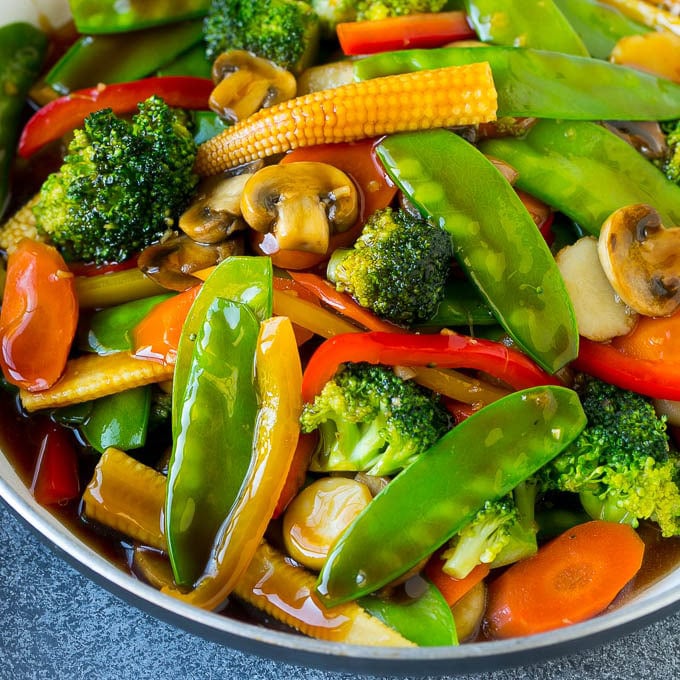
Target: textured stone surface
[55,624]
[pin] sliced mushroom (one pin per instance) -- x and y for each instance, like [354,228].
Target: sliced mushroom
[172,262]
[301,204]
[641,259]
[245,83]
[215,213]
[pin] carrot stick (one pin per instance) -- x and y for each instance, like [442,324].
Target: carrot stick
[570,579]
[452,588]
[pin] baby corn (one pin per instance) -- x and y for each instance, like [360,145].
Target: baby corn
[444,97]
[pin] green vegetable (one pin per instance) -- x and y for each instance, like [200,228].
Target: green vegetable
[94,59]
[370,419]
[672,165]
[462,305]
[494,238]
[546,84]
[621,465]
[501,533]
[371,10]
[207,124]
[122,184]
[425,619]
[214,408]
[585,171]
[113,16]
[600,25]
[397,267]
[120,420]
[524,23]
[109,329]
[191,62]
[481,459]
[22,51]
[283,31]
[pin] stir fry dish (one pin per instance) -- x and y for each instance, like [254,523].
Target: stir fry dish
[359,319]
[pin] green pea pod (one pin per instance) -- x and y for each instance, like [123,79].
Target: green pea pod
[426,619]
[192,62]
[96,59]
[600,25]
[214,408]
[22,51]
[546,84]
[212,450]
[524,23]
[119,420]
[109,329]
[482,458]
[586,172]
[113,16]
[494,238]
[462,305]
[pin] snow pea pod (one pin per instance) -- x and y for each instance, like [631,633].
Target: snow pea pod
[494,238]
[546,84]
[586,172]
[214,409]
[22,51]
[94,59]
[600,25]
[113,16]
[482,458]
[524,23]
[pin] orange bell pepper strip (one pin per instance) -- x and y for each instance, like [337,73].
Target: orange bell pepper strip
[278,375]
[156,336]
[38,318]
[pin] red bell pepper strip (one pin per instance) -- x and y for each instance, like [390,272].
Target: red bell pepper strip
[652,378]
[55,477]
[67,113]
[405,349]
[342,302]
[404,32]
[39,316]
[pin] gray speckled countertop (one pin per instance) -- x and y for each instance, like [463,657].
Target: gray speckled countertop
[54,623]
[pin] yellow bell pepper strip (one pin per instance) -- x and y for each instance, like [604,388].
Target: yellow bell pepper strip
[543,84]
[524,23]
[278,376]
[495,240]
[214,409]
[482,458]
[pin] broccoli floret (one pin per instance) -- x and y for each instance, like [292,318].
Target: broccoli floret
[502,532]
[621,465]
[372,10]
[122,184]
[371,420]
[672,164]
[398,266]
[283,31]
[333,12]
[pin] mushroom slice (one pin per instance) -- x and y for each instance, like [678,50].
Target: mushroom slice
[172,262]
[215,213]
[302,204]
[245,83]
[641,259]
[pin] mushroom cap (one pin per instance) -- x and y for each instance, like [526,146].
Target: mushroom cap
[301,203]
[641,259]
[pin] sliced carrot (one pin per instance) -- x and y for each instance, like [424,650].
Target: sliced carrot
[342,302]
[653,338]
[452,588]
[571,579]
